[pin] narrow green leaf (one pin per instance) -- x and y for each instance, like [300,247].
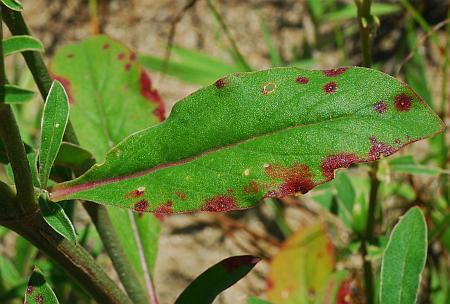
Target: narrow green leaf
[189,66]
[56,217]
[408,165]
[53,125]
[404,259]
[349,12]
[13,94]
[17,44]
[275,56]
[207,286]
[255,300]
[9,276]
[74,156]
[252,135]
[38,291]
[13,4]
[25,253]
[32,163]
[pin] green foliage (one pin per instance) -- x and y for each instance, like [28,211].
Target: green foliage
[53,125]
[348,12]
[56,217]
[281,137]
[12,94]
[13,4]
[208,285]
[404,259]
[38,291]
[22,43]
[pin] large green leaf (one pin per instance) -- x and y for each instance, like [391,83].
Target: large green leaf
[252,135]
[102,68]
[404,259]
[38,291]
[208,285]
[302,267]
[110,94]
[53,125]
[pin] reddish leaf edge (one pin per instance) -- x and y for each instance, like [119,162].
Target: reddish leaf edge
[58,192]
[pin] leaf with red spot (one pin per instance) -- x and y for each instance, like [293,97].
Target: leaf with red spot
[302,267]
[112,97]
[38,291]
[208,285]
[270,133]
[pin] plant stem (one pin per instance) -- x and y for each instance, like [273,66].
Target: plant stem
[365,30]
[127,275]
[74,259]
[230,38]
[35,62]
[15,150]
[366,27]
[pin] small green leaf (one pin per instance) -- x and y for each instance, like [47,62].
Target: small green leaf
[74,156]
[208,285]
[13,4]
[53,125]
[13,94]
[249,136]
[404,259]
[32,164]
[408,165]
[38,291]
[349,12]
[56,217]
[9,276]
[17,44]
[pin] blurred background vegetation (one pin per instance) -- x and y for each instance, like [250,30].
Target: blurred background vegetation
[189,44]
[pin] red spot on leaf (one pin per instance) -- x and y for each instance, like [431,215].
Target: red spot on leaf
[30,289]
[66,84]
[403,102]
[252,188]
[127,66]
[134,194]
[70,56]
[334,72]
[132,56]
[330,87]
[333,162]
[181,195]
[39,299]
[106,46]
[380,107]
[121,56]
[220,83]
[163,210]
[270,284]
[302,80]
[234,263]
[379,148]
[296,178]
[151,94]
[219,203]
[343,295]
[141,206]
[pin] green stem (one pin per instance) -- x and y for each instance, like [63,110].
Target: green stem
[125,270]
[230,38]
[35,62]
[366,27]
[74,259]
[365,20]
[15,150]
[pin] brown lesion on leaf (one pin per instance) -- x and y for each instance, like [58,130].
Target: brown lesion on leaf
[336,161]
[296,179]
[268,88]
[219,203]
